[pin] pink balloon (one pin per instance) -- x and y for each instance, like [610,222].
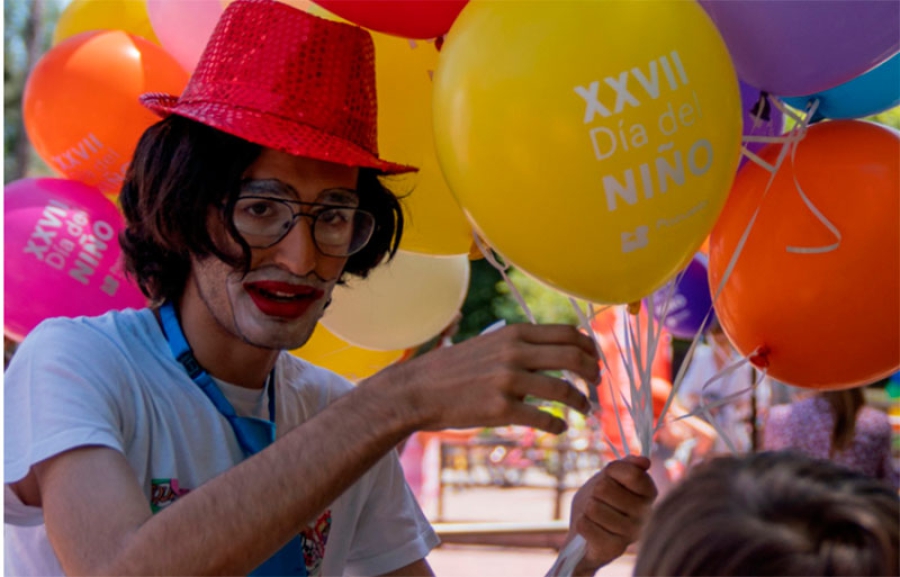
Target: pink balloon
[62,255]
[184,26]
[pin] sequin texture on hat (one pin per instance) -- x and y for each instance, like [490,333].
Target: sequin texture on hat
[285,79]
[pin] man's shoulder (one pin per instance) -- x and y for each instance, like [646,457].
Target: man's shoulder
[103,339]
[122,322]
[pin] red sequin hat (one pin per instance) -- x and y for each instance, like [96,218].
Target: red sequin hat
[285,79]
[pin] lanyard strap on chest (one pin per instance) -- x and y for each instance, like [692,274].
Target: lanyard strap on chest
[253,434]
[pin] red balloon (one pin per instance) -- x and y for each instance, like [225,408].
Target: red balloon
[405,18]
[827,320]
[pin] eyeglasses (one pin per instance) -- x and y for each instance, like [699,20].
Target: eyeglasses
[338,231]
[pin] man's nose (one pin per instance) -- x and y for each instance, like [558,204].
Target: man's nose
[297,252]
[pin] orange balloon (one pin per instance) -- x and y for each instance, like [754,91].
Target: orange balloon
[827,320]
[81,108]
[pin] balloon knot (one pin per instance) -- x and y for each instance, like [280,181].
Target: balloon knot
[439,43]
[762,109]
[634,308]
[760,358]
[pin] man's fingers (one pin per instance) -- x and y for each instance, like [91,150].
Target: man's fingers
[612,493]
[600,516]
[553,357]
[632,477]
[552,334]
[550,389]
[531,416]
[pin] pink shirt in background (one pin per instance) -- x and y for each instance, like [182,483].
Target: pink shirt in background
[806,426]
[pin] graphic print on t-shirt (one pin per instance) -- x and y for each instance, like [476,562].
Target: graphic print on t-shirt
[315,537]
[164,492]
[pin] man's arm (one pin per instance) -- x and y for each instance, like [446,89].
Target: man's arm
[99,522]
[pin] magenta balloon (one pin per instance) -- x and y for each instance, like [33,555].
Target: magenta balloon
[61,254]
[799,47]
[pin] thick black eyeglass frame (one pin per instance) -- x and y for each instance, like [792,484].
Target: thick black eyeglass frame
[295,217]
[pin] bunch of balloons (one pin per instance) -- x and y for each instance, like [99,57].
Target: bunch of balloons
[596,146]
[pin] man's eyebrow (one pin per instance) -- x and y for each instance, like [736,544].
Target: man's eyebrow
[338,196]
[270,186]
[281,189]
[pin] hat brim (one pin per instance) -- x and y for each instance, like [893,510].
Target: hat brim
[272,131]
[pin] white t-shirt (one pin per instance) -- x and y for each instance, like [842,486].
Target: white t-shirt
[112,381]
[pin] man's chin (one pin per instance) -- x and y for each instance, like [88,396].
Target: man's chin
[279,336]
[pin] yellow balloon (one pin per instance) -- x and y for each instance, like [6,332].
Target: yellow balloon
[326,350]
[85,15]
[401,304]
[435,223]
[592,143]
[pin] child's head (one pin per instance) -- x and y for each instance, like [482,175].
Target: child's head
[775,513]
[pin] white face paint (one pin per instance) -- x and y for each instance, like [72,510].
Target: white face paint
[277,303]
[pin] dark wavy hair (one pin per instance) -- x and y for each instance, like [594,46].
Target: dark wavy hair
[180,169]
[773,513]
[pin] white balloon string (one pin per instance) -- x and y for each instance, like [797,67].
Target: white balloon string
[809,204]
[654,337]
[804,119]
[613,393]
[799,131]
[789,143]
[626,358]
[705,407]
[568,558]
[641,400]
[502,268]
[585,325]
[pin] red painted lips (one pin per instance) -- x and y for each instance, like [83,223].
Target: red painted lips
[281,299]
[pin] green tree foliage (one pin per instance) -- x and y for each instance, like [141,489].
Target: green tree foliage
[478,310]
[888,117]
[490,299]
[546,304]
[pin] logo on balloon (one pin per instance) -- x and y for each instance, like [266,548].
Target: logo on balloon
[92,161]
[64,237]
[655,176]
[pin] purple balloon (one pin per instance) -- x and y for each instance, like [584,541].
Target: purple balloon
[688,303]
[761,118]
[799,47]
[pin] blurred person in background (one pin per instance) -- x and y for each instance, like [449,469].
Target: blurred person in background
[835,425]
[710,378]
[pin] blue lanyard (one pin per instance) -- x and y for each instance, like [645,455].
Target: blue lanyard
[253,434]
